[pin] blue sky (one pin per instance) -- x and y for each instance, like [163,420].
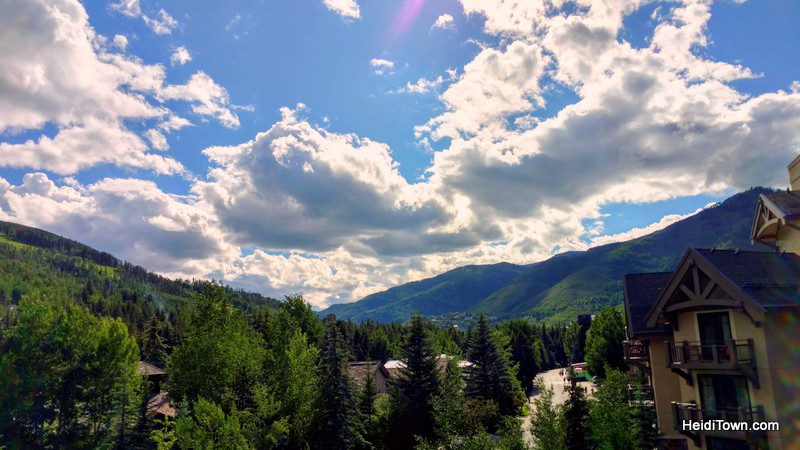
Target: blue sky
[542,126]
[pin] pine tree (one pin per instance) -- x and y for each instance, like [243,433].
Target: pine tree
[154,349]
[645,414]
[492,377]
[416,388]
[340,422]
[576,415]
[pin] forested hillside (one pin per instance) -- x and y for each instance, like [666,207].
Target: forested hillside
[563,286]
[33,261]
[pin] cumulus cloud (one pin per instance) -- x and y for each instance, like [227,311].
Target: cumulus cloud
[180,56]
[346,8]
[330,215]
[120,41]
[382,66]
[444,22]
[424,85]
[57,70]
[162,23]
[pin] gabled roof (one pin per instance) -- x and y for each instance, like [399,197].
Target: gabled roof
[773,211]
[753,281]
[147,369]
[161,404]
[360,370]
[641,291]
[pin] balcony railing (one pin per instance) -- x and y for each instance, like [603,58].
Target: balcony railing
[696,355]
[692,412]
[635,351]
[641,393]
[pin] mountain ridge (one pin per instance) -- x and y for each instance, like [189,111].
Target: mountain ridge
[565,285]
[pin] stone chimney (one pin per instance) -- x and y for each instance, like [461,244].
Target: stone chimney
[794,174]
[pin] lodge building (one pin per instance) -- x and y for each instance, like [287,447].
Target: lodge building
[717,337]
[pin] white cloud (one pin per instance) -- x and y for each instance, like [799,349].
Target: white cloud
[162,23]
[206,96]
[346,8]
[634,233]
[180,56]
[330,215]
[121,42]
[130,8]
[444,22]
[382,66]
[57,71]
[424,85]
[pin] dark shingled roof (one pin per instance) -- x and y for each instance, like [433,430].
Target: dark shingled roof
[786,202]
[360,370]
[770,279]
[641,293]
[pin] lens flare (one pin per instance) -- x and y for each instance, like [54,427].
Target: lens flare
[405,18]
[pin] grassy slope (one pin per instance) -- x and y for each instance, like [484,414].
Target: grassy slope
[36,261]
[453,291]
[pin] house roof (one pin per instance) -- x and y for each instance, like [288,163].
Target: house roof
[360,370]
[147,369]
[641,291]
[753,281]
[394,366]
[773,211]
[770,279]
[161,404]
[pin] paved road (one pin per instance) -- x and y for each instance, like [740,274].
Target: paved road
[554,380]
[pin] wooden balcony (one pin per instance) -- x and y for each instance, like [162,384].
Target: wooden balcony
[738,355]
[635,351]
[684,413]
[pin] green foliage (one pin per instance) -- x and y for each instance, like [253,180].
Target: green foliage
[604,342]
[576,415]
[163,435]
[527,349]
[220,357]
[492,376]
[547,421]
[611,418]
[209,427]
[340,421]
[416,388]
[67,377]
[572,342]
[645,414]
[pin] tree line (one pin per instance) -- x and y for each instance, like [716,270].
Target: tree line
[269,378]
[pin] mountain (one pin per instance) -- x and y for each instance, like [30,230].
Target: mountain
[34,261]
[560,288]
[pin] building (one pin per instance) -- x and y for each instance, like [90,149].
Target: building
[360,371]
[395,366]
[716,338]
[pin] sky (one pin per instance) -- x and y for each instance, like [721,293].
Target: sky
[336,148]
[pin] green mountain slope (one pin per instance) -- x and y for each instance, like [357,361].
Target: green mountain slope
[34,261]
[565,285]
[453,291]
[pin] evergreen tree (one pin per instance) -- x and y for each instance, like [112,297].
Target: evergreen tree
[572,341]
[645,414]
[492,376]
[526,350]
[367,397]
[220,357]
[340,424]
[154,349]
[576,415]
[611,418]
[604,342]
[547,421]
[417,386]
